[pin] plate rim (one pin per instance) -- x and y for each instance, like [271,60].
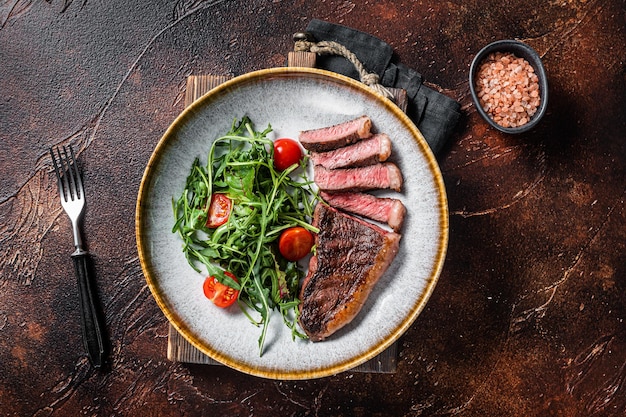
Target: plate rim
[431,280]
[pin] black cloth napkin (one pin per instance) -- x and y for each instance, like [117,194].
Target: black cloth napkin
[435,114]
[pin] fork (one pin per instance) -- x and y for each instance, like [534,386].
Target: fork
[73,201]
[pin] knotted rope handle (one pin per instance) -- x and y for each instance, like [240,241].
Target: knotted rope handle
[304,43]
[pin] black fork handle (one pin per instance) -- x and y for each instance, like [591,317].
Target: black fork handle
[93,335]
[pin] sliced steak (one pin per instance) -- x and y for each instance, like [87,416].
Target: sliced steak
[336,136]
[384,210]
[369,151]
[377,176]
[351,256]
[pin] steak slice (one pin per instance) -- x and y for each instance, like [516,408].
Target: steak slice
[351,256]
[366,152]
[384,210]
[377,176]
[336,136]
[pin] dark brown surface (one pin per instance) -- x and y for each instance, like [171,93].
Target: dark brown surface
[528,316]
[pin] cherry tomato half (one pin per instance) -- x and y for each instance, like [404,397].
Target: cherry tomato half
[295,243]
[221,295]
[286,153]
[219,210]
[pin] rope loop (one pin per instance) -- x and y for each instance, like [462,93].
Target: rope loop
[303,43]
[370,79]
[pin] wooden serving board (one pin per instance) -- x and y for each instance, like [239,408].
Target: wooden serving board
[178,348]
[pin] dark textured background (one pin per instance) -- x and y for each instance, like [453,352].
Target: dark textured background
[528,316]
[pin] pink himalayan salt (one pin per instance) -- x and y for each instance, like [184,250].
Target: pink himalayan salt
[507,89]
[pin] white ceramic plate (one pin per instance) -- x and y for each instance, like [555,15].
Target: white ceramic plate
[291,100]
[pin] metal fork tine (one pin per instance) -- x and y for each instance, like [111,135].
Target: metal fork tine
[79,181]
[72,173]
[62,174]
[70,183]
[69,175]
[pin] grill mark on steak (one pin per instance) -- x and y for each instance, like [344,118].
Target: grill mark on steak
[384,210]
[351,256]
[378,176]
[336,136]
[369,151]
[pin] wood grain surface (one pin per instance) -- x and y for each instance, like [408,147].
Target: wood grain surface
[527,318]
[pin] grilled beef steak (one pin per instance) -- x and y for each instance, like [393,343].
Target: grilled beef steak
[366,152]
[384,210]
[336,136]
[377,176]
[351,256]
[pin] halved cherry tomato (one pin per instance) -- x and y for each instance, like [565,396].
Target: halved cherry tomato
[295,243]
[286,153]
[221,295]
[219,210]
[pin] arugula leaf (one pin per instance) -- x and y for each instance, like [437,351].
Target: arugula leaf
[265,202]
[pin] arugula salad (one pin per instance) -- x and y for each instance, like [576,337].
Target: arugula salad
[244,216]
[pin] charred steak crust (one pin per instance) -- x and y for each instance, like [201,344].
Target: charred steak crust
[336,136]
[351,256]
